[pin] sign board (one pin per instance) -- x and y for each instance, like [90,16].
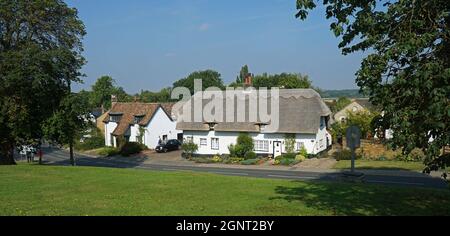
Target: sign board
[353,137]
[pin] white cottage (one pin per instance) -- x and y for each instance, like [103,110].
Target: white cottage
[128,120]
[302,113]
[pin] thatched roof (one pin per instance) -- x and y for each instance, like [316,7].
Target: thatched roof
[299,112]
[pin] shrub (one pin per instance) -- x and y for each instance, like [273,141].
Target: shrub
[95,141]
[415,155]
[243,145]
[288,161]
[289,143]
[91,143]
[276,162]
[303,152]
[203,160]
[250,155]
[250,161]
[130,148]
[345,155]
[189,148]
[235,160]
[217,159]
[286,156]
[300,158]
[108,151]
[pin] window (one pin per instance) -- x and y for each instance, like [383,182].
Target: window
[114,118]
[203,142]
[189,139]
[214,143]
[138,119]
[262,145]
[300,145]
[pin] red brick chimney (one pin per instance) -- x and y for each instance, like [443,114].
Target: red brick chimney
[113,100]
[248,80]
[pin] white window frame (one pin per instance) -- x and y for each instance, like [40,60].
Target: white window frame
[215,145]
[261,145]
[300,145]
[203,142]
[189,139]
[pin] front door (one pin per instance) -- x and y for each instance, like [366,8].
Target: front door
[276,148]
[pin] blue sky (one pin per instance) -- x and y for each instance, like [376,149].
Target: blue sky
[148,44]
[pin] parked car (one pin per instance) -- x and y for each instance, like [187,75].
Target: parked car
[169,145]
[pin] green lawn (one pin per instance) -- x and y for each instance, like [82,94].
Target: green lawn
[46,190]
[383,165]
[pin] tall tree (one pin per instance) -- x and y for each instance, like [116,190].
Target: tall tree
[164,95]
[283,80]
[341,103]
[40,55]
[209,78]
[102,91]
[407,70]
[71,118]
[242,74]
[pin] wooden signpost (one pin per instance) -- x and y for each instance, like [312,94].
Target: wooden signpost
[353,138]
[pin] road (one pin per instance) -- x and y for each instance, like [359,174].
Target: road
[61,157]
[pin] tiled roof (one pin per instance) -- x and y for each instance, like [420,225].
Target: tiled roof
[129,111]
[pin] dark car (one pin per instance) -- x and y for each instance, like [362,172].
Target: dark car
[169,145]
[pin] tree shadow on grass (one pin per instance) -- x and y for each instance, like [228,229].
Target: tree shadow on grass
[361,199]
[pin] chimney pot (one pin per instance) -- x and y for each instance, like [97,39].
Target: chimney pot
[113,100]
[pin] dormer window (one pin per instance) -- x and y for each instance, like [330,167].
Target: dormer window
[138,118]
[115,116]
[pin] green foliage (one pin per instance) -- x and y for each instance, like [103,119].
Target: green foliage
[242,74]
[362,119]
[96,140]
[189,148]
[415,155]
[235,160]
[286,161]
[243,146]
[300,158]
[289,143]
[68,121]
[345,155]
[40,56]
[342,102]
[303,152]
[250,155]
[164,95]
[251,161]
[209,78]
[102,91]
[108,151]
[217,159]
[131,148]
[407,70]
[140,137]
[283,80]
[287,156]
